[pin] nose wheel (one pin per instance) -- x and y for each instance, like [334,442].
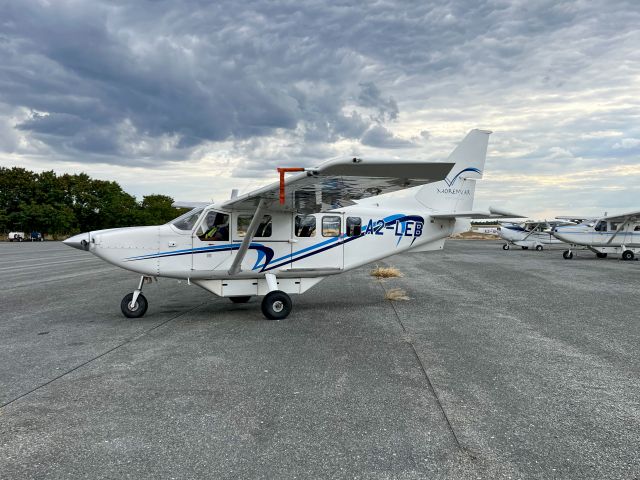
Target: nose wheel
[134,304]
[567,254]
[132,309]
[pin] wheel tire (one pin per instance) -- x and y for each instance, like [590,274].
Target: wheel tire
[567,255]
[539,248]
[240,299]
[140,308]
[601,255]
[505,246]
[276,305]
[627,255]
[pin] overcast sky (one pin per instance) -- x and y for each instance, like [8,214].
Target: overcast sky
[191,98]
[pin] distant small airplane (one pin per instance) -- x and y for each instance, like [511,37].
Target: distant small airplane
[617,234]
[285,238]
[528,234]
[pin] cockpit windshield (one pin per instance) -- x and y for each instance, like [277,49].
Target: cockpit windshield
[188,220]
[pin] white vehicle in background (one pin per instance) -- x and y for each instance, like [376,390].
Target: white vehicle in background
[15,236]
[528,234]
[619,235]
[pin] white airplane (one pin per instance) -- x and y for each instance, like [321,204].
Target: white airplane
[618,234]
[284,238]
[528,234]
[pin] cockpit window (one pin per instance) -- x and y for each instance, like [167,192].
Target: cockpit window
[214,227]
[601,226]
[187,220]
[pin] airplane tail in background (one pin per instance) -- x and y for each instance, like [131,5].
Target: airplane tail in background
[455,193]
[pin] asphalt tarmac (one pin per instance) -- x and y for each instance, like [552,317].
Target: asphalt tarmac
[503,364]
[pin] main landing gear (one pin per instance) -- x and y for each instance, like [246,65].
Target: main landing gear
[134,305]
[276,305]
[627,255]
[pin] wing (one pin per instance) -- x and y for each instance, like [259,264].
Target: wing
[180,204]
[630,216]
[339,183]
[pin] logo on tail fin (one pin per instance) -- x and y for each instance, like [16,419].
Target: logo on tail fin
[453,180]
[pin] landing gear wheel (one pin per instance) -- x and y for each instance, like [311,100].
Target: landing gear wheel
[276,305]
[505,246]
[567,254]
[627,255]
[240,299]
[525,248]
[133,311]
[539,248]
[601,255]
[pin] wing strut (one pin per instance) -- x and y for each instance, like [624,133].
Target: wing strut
[251,231]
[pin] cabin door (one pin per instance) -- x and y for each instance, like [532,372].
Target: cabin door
[317,241]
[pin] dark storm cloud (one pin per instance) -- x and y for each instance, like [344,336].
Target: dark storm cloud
[151,81]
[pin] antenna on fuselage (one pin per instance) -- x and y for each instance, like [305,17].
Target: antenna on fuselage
[234,193]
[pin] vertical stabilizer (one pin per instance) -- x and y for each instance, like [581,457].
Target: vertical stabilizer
[455,193]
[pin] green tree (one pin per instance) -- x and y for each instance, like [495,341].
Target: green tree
[157,210]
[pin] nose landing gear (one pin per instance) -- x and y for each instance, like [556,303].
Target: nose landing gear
[134,305]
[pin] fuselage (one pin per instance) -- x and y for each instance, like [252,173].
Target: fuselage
[203,243]
[602,233]
[527,233]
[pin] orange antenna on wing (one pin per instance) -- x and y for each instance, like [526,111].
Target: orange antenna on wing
[282,171]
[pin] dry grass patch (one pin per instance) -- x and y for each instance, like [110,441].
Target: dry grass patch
[386,272]
[396,294]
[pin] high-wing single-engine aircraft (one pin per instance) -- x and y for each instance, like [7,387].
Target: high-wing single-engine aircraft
[284,238]
[529,234]
[618,234]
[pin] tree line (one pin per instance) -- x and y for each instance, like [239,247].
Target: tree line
[64,204]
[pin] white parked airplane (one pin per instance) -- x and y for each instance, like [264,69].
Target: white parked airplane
[618,234]
[284,238]
[528,234]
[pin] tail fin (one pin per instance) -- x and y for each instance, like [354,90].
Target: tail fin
[455,193]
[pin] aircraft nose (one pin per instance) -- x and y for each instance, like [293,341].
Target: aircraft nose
[80,241]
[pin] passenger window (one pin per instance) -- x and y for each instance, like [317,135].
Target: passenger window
[305,226]
[214,228]
[354,226]
[263,230]
[330,226]
[614,226]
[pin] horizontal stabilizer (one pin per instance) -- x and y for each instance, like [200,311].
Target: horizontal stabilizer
[477,214]
[504,213]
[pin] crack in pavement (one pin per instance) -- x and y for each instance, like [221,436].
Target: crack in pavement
[430,386]
[121,344]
